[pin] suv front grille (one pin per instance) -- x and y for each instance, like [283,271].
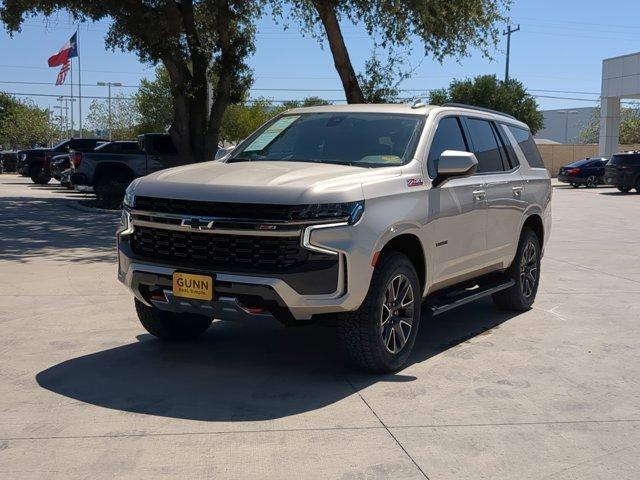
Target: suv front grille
[218,209]
[218,251]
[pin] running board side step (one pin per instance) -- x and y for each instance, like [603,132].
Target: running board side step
[444,302]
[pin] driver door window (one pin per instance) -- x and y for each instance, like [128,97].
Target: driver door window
[448,136]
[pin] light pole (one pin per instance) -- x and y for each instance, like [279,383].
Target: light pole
[566,113]
[109,85]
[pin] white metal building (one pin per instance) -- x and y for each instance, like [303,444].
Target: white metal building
[620,80]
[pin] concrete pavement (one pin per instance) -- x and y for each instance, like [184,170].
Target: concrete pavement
[553,393]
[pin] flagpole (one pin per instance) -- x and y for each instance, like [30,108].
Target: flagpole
[79,80]
[71,72]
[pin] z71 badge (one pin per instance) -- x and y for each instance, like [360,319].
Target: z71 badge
[414,182]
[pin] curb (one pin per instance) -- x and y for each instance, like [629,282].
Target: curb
[76,205]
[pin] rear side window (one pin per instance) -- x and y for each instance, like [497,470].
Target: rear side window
[527,145]
[485,145]
[448,136]
[625,160]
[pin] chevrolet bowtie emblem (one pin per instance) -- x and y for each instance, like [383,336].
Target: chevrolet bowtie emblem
[197,223]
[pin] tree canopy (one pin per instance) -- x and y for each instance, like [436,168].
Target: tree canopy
[629,127]
[153,102]
[445,28]
[23,124]
[124,118]
[487,91]
[203,44]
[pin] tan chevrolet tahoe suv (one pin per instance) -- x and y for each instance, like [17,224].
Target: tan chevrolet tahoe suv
[369,214]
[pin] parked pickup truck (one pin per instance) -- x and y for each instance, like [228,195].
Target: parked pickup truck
[34,163]
[357,213]
[109,173]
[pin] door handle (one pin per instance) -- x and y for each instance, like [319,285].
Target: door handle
[479,195]
[517,191]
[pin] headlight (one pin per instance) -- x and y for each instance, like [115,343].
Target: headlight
[129,195]
[125,227]
[349,211]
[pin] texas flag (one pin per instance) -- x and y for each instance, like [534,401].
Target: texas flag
[68,50]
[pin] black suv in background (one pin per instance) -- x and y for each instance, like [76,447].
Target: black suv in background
[623,171]
[35,163]
[587,172]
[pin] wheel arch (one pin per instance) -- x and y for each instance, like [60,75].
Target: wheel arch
[106,169]
[535,223]
[410,245]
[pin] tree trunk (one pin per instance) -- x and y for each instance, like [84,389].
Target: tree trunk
[341,59]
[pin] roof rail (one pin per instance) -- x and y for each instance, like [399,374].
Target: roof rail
[480,109]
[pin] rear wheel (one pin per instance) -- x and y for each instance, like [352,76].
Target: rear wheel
[637,185]
[624,189]
[169,325]
[592,181]
[379,336]
[525,272]
[38,174]
[110,188]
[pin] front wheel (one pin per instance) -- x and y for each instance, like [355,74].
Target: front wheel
[110,189]
[525,272]
[592,181]
[624,189]
[379,336]
[169,325]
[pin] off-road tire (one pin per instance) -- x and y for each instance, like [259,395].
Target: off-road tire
[110,189]
[360,331]
[514,298]
[171,326]
[38,175]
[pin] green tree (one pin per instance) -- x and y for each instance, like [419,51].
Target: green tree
[23,124]
[629,127]
[242,119]
[195,40]
[153,103]
[445,28]
[487,91]
[124,117]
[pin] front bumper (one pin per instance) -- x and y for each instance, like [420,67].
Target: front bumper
[240,295]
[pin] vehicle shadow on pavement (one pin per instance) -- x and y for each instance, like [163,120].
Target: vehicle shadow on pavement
[244,373]
[34,229]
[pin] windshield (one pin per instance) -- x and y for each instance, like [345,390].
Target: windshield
[360,139]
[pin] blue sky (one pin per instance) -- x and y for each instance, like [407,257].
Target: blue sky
[559,48]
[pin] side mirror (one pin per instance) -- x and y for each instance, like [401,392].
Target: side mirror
[454,163]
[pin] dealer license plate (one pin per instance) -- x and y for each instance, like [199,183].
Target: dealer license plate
[188,285]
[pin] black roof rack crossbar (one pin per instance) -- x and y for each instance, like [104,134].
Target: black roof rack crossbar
[481,109]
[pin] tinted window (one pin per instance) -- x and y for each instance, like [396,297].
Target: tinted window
[485,146]
[509,156]
[528,146]
[625,160]
[448,136]
[349,138]
[159,144]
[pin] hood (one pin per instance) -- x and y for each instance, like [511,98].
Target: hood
[291,183]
